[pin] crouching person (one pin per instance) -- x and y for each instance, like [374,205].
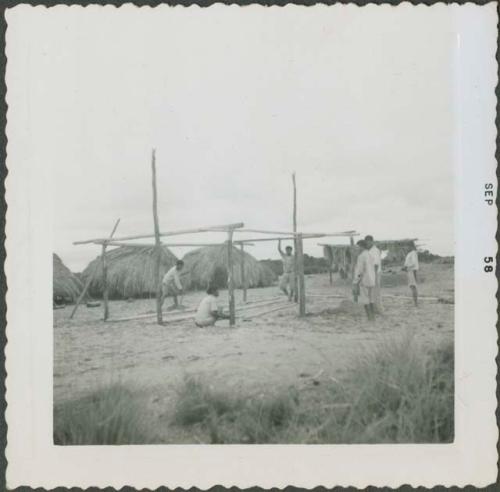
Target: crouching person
[208,312]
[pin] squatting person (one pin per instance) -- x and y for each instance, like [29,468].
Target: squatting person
[411,267]
[364,279]
[208,312]
[171,284]
[287,280]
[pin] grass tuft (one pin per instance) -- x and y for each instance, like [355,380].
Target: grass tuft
[110,415]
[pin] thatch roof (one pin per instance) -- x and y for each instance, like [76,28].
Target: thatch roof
[65,283]
[209,265]
[131,271]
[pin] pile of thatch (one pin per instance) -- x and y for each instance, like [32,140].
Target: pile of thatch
[208,265]
[396,250]
[339,257]
[66,285]
[131,272]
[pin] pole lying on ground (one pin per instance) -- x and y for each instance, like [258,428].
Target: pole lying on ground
[302,285]
[90,277]
[242,266]
[159,314]
[230,280]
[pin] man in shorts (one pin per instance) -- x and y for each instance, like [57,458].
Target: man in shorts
[208,312]
[365,278]
[411,268]
[287,280]
[377,261]
[171,284]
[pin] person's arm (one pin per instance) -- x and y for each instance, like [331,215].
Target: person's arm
[279,248]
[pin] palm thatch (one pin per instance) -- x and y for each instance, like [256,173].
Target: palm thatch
[131,272]
[208,265]
[66,285]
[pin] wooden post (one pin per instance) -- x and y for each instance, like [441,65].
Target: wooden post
[353,253]
[300,272]
[105,291]
[295,294]
[242,266]
[330,273]
[90,277]
[159,315]
[230,281]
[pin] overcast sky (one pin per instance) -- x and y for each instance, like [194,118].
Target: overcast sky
[357,101]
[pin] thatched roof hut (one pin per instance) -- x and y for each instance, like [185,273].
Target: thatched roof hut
[209,265]
[131,271]
[65,283]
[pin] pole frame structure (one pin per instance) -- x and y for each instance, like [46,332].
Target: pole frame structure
[300,274]
[242,271]
[230,279]
[90,277]
[158,246]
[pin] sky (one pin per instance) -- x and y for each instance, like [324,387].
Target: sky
[357,102]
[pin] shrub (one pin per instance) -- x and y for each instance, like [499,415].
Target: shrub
[110,415]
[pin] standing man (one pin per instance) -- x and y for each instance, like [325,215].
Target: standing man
[364,279]
[411,267]
[287,280]
[171,284]
[377,261]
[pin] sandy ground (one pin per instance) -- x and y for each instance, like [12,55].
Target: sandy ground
[275,350]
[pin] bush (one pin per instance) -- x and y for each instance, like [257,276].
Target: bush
[110,415]
[398,393]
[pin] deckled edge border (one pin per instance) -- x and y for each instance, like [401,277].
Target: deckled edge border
[6,4]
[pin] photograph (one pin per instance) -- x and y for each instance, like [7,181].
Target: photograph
[251,246]
[320,309]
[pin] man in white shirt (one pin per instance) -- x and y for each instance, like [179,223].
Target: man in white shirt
[365,278]
[287,280]
[171,284]
[411,267]
[377,261]
[208,311]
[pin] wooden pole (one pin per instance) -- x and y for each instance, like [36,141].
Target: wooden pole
[295,295]
[242,266]
[302,285]
[230,281]
[159,315]
[90,277]
[105,292]
[353,253]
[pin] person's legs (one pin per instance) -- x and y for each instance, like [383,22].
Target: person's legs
[291,282]
[414,294]
[282,284]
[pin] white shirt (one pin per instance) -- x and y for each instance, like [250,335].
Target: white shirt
[411,261]
[376,257]
[365,269]
[207,306]
[172,276]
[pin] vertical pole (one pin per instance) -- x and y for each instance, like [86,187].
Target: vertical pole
[242,266]
[105,292]
[90,277]
[302,285]
[295,232]
[230,280]
[159,315]
[353,260]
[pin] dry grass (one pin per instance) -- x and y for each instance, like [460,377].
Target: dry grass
[209,265]
[131,272]
[112,415]
[65,283]
[396,394]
